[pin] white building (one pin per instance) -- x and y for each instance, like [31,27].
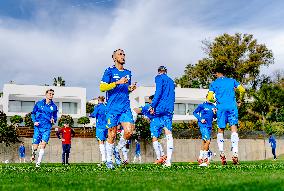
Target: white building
[186,100]
[20,99]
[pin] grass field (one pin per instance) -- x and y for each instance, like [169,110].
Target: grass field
[260,175]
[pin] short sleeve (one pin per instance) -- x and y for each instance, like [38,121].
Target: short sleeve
[107,76]
[212,87]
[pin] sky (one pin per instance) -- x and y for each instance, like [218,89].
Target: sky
[41,39]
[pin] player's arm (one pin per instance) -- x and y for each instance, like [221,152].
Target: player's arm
[94,113]
[58,133]
[33,114]
[158,92]
[196,113]
[72,133]
[54,115]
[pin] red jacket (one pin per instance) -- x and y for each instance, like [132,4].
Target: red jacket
[67,133]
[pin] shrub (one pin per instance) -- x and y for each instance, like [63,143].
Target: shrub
[16,119]
[65,119]
[28,120]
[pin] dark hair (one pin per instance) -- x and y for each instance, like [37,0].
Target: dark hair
[151,97]
[101,98]
[115,52]
[162,68]
[219,69]
[49,90]
[270,133]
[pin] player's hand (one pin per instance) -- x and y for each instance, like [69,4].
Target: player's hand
[239,104]
[152,111]
[203,121]
[122,80]
[52,121]
[36,123]
[214,110]
[133,87]
[63,140]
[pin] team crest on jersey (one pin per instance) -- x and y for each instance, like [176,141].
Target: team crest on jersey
[51,108]
[108,121]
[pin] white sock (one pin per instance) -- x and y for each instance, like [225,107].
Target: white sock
[235,141]
[40,155]
[157,149]
[125,153]
[220,141]
[140,159]
[170,147]
[134,159]
[205,154]
[103,151]
[161,149]
[121,143]
[201,154]
[109,151]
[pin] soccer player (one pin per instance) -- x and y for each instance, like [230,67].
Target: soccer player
[205,114]
[67,133]
[137,152]
[156,128]
[101,131]
[44,114]
[116,82]
[22,152]
[163,107]
[272,141]
[227,111]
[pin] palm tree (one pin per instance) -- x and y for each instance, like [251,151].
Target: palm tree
[58,81]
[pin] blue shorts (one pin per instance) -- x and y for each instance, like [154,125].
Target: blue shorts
[22,155]
[101,134]
[205,131]
[114,119]
[41,133]
[156,127]
[167,121]
[227,115]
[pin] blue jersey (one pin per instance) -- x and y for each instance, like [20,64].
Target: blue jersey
[43,112]
[100,114]
[22,150]
[164,98]
[205,111]
[145,111]
[224,89]
[272,141]
[118,97]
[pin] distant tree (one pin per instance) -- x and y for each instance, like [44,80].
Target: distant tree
[240,55]
[8,134]
[83,121]
[58,81]
[65,119]
[16,120]
[28,120]
[89,107]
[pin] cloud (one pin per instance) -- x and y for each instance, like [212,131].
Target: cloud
[77,43]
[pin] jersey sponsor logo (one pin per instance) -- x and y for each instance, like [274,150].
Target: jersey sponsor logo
[116,76]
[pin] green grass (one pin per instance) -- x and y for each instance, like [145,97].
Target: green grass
[260,175]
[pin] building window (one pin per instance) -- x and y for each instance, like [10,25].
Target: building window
[180,109]
[69,107]
[27,106]
[14,106]
[20,106]
[191,108]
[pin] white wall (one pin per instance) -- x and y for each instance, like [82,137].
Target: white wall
[36,93]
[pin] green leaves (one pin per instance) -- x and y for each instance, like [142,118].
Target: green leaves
[65,119]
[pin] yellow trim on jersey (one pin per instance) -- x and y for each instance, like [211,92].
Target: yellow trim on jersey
[106,87]
[210,96]
[241,90]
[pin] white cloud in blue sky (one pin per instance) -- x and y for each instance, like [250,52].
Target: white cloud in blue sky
[75,39]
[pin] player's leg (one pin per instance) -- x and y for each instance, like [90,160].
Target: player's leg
[110,146]
[233,121]
[63,154]
[274,153]
[45,139]
[68,148]
[201,152]
[125,151]
[154,126]
[167,120]
[221,123]
[101,135]
[36,140]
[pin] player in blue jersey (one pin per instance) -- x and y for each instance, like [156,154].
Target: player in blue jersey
[101,131]
[22,152]
[205,114]
[137,151]
[272,141]
[156,128]
[116,82]
[227,112]
[44,114]
[163,107]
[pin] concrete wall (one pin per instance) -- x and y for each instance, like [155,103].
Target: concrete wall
[86,150]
